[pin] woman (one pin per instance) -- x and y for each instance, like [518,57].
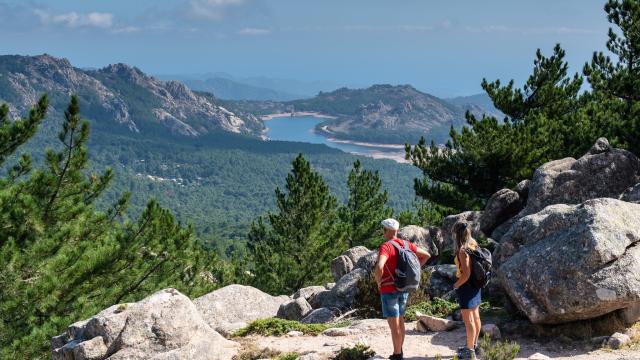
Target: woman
[469,296]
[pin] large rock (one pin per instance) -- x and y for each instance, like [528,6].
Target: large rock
[341,266]
[502,205]
[572,262]
[346,288]
[432,323]
[442,279]
[632,194]
[295,309]
[327,299]
[355,253]
[471,218]
[603,172]
[429,239]
[165,325]
[232,306]
[319,316]
[309,292]
[368,262]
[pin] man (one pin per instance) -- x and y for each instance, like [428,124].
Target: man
[394,302]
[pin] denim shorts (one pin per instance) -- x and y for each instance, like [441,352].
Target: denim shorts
[394,304]
[469,296]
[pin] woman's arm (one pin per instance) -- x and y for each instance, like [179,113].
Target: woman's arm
[465,268]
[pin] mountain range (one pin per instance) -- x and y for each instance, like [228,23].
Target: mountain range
[119,98]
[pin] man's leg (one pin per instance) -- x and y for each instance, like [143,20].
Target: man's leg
[396,335]
[402,332]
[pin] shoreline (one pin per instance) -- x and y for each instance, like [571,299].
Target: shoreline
[296,114]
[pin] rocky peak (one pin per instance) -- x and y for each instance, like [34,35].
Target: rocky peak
[130,73]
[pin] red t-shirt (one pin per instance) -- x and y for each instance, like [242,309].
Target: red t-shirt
[390,265]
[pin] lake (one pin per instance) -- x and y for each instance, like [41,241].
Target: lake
[300,129]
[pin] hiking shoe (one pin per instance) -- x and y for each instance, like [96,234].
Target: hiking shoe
[478,350]
[466,353]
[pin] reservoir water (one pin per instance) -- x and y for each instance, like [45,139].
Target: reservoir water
[300,129]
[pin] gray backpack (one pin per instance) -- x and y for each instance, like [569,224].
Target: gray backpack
[408,270]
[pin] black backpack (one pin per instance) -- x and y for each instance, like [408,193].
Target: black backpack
[408,269]
[481,263]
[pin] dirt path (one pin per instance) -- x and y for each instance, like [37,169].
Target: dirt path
[425,346]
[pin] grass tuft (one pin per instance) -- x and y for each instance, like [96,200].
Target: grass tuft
[358,352]
[279,327]
[434,307]
[499,350]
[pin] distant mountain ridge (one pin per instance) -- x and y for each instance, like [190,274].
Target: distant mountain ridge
[228,89]
[118,98]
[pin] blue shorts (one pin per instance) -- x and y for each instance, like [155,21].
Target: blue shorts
[469,296]
[394,304]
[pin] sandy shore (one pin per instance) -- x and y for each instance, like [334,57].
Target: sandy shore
[366,144]
[299,113]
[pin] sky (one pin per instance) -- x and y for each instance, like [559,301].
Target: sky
[443,47]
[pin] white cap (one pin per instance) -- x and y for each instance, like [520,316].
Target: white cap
[392,224]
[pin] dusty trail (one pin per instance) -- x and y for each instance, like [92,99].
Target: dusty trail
[427,346]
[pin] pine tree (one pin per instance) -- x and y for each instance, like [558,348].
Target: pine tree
[365,208]
[616,82]
[295,246]
[543,121]
[62,261]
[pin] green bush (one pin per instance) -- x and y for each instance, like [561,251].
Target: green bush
[499,350]
[289,356]
[434,307]
[367,300]
[358,352]
[279,327]
[254,353]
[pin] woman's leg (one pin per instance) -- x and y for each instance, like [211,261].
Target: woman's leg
[470,326]
[477,323]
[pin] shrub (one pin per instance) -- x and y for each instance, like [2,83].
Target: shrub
[434,307]
[289,356]
[254,353]
[358,352]
[279,327]
[498,350]
[367,301]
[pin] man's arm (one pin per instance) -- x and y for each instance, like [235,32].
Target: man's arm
[379,270]
[423,255]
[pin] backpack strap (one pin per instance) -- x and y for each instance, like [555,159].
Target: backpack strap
[394,244]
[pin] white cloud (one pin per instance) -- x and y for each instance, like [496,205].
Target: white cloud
[211,9]
[75,20]
[254,31]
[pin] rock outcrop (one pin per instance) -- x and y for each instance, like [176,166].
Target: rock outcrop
[165,325]
[341,266]
[248,304]
[572,262]
[295,309]
[110,94]
[603,172]
[502,206]
[471,218]
[346,262]
[429,238]
[442,279]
